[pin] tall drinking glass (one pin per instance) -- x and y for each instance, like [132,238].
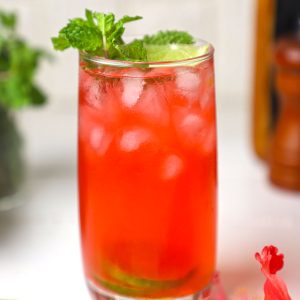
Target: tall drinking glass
[148,176]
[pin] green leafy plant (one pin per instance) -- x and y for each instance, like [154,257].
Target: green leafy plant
[11,163]
[18,65]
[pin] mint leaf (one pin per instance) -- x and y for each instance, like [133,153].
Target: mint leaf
[105,22]
[89,17]
[60,43]
[169,37]
[134,51]
[78,34]
[127,19]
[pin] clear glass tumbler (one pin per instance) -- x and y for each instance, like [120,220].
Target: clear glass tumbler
[148,176]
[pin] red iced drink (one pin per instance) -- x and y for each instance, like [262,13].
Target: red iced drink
[147,176]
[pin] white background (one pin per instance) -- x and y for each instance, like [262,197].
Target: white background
[39,241]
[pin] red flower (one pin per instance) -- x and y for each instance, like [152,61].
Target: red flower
[271,262]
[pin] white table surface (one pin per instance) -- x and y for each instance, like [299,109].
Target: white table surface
[39,241]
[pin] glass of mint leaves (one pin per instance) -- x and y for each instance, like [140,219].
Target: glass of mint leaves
[146,159]
[18,65]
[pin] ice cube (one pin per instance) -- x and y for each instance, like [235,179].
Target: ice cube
[132,140]
[188,82]
[197,133]
[90,90]
[207,100]
[207,91]
[171,167]
[152,105]
[192,125]
[208,141]
[100,140]
[133,85]
[190,128]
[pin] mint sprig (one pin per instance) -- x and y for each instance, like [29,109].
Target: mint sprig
[99,34]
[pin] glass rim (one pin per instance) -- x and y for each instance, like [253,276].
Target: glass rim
[152,64]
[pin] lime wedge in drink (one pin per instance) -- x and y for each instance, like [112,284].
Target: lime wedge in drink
[122,289]
[124,283]
[173,52]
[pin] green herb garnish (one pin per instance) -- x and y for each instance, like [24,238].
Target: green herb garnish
[101,35]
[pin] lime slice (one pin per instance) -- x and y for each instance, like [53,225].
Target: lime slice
[139,282]
[120,281]
[125,290]
[173,52]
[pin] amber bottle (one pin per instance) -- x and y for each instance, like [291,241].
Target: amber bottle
[274,20]
[261,108]
[285,143]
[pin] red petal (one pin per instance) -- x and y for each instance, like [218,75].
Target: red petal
[271,262]
[275,289]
